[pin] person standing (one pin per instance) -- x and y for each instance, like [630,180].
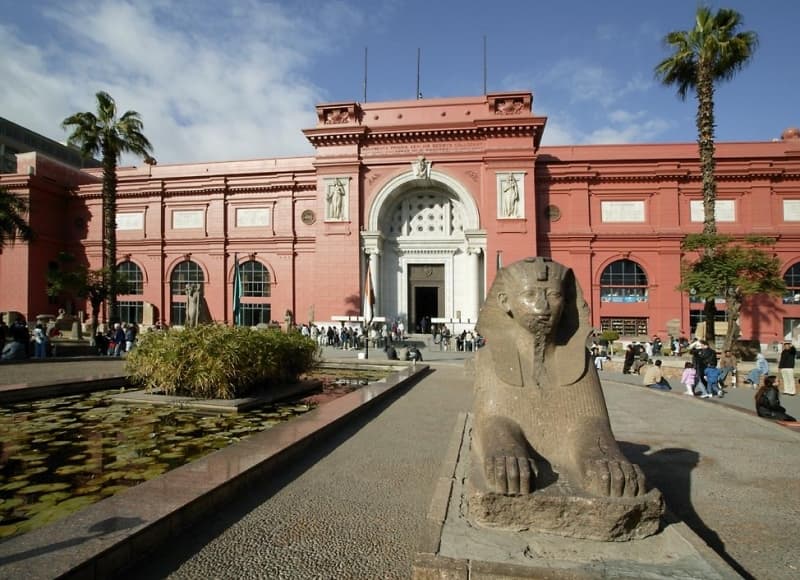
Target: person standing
[727,366]
[629,356]
[786,366]
[689,378]
[39,341]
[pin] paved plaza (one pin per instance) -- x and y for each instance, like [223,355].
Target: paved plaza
[355,506]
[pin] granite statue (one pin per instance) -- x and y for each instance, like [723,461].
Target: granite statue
[540,417]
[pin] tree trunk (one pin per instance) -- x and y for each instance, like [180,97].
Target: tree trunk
[110,227]
[734,301]
[710,313]
[705,142]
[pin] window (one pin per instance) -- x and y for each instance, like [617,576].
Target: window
[131,311]
[187,272]
[623,281]
[255,279]
[133,274]
[253,314]
[625,326]
[256,284]
[792,279]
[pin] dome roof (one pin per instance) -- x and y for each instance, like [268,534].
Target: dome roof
[791,133]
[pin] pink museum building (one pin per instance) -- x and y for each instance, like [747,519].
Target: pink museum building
[433,196]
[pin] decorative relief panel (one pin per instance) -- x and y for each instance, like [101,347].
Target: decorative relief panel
[425,215]
[511,195]
[252,217]
[622,211]
[130,221]
[724,211]
[188,219]
[791,210]
[337,196]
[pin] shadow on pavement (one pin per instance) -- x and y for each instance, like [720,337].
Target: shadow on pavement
[670,470]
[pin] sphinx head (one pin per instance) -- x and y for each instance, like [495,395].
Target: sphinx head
[541,296]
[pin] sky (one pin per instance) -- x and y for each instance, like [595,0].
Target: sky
[239,79]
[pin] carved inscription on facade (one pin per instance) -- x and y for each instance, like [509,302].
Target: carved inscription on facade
[724,211]
[420,148]
[622,211]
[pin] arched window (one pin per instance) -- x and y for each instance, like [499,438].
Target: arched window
[187,272]
[255,279]
[623,281]
[133,276]
[131,310]
[792,280]
[255,286]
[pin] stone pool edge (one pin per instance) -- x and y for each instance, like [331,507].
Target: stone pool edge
[114,533]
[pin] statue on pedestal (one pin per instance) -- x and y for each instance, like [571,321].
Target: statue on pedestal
[192,305]
[544,454]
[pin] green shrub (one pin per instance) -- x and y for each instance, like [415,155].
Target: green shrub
[215,361]
[610,335]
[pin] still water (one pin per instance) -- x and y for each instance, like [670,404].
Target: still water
[59,455]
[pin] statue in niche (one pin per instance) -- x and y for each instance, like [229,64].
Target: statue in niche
[192,305]
[421,168]
[335,200]
[510,196]
[542,439]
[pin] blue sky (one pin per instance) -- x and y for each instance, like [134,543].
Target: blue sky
[239,79]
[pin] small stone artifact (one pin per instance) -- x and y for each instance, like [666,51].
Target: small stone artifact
[544,457]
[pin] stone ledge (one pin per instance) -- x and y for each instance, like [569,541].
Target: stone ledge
[465,551]
[112,534]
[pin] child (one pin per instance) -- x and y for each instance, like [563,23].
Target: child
[712,379]
[688,378]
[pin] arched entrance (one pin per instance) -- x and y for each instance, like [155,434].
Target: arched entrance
[425,250]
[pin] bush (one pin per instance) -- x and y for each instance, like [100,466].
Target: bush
[218,362]
[610,335]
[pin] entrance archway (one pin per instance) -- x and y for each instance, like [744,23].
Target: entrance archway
[425,249]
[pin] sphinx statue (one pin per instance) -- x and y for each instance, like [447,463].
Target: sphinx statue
[544,456]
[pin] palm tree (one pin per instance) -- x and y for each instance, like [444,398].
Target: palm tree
[12,224]
[714,50]
[108,136]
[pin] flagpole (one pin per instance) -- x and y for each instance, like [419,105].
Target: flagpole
[369,304]
[237,292]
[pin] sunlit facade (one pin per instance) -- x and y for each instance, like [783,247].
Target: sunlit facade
[430,195]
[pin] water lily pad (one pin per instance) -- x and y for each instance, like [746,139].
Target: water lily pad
[112,489]
[10,503]
[55,496]
[14,485]
[43,488]
[8,531]
[71,469]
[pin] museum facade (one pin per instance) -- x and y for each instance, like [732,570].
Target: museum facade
[430,197]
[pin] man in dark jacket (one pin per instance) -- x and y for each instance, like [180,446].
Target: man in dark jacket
[786,366]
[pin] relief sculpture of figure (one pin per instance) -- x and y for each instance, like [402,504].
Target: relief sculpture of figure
[192,305]
[510,196]
[335,199]
[540,418]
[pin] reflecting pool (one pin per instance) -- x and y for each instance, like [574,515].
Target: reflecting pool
[61,454]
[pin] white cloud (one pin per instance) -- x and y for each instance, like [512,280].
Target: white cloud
[228,84]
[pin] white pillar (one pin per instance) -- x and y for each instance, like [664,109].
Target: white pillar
[374,267]
[473,275]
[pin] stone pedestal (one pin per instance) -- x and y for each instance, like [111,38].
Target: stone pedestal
[452,546]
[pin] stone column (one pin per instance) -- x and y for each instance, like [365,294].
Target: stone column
[473,275]
[375,269]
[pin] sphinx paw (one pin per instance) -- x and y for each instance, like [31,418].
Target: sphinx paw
[608,477]
[510,475]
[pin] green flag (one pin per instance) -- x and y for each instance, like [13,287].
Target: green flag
[237,292]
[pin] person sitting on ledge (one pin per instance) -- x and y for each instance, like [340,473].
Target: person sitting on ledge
[391,353]
[413,354]
[768,403]
[654,378]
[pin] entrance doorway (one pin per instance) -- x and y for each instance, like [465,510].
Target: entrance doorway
[426,293]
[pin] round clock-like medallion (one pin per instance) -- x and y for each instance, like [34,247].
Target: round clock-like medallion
[308,217]
[553,213]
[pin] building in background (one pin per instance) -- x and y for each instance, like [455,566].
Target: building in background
[434,195]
